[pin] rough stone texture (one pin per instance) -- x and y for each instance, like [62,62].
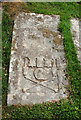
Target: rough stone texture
[37,62]
[76,30]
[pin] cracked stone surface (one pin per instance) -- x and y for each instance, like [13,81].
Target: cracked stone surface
[76,33]
[37,64]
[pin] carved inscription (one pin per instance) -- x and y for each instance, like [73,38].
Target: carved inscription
[39,68]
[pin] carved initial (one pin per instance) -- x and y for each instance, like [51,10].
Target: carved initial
[39,68]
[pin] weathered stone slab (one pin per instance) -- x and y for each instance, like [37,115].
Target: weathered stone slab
[76,33]
[37,62]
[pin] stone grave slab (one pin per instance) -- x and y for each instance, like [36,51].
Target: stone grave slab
[76,35]
[37,64]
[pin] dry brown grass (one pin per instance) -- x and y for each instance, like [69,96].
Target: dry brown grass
[14,8]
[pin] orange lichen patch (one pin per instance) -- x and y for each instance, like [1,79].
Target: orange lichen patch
[57,41]
[54,33]
[16,64]
[23,91]
[15,97]
[13,44]
[47,33]
[40,19]
[34,37]
[14,82]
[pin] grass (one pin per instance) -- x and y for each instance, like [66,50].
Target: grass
[64,109]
